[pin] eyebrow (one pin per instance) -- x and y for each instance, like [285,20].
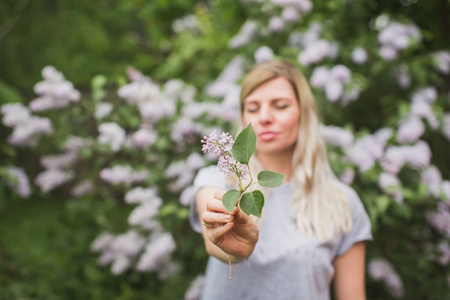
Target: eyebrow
[271,100]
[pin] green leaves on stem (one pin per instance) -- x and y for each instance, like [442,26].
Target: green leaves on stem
[245,145]
[270,179]
[252,202]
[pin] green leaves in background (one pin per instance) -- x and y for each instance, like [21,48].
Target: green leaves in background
[245,145]
[270,179]
[252,203]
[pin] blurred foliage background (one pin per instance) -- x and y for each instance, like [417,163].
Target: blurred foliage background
[184,47]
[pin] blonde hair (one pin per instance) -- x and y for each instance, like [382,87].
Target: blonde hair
[320,209]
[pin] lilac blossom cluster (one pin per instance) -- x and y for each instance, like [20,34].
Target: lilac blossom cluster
[184,171]
[112,134]
[263,54]
[391,185]
[54,91]
[365,151]
[416,156]
[150,254]
[27,129]
[18,181]
[244,36]
[221,146]
[336,83]
[186,23]
[57,170]
[403,76]
[123,174]
[440,219]
[395,37]
[381,269]
[441,61]
[195,290]
[336,136]
[292,12]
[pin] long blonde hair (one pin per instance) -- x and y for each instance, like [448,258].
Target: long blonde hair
[320,209]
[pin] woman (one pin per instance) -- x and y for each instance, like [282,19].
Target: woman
[313,229]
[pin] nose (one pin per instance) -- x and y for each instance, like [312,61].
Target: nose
[265,115]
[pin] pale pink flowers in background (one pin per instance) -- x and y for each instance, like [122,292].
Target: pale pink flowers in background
[54,91]
[381,269]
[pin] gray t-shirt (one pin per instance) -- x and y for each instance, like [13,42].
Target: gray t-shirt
[284,264]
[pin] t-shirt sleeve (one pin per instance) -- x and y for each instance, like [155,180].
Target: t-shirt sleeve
[206,177]
[361,230]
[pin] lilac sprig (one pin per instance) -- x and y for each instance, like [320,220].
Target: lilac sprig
[221,145]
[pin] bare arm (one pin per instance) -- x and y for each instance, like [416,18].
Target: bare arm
[226,234]
[349,281]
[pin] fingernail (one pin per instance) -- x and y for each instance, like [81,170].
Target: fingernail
[227,218]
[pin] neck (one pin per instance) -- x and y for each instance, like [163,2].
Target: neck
[280,163]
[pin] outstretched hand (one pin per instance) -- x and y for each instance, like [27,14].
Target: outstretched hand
[234,232]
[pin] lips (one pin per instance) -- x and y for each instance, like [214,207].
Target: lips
[267,135]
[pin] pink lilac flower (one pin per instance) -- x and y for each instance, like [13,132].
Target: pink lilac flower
[403,76]
[365,151]
[184,131]
[157,253]
[221,146]
[153,111]
[19,181]
[140,195]
[145,212]
[54,91]
[440,219]
[102,242]
[52,178]
[432,178]
[334,90]
[315,52]
[195,289]
[410,130]
[441,60]
[276,24]
[428,94]
[143,138]
[443,248]
[102,110]
[28,132]
[390,184]
[423,109]
[186,23]
[290,14]
[123,174]
[14,114]
[445,188]
[380,269]
[83,188]
[263,54]
[359,55]
[59,161]
[187,195]
[141,90]
[227,78]
[112,135]
[244,36]
[75,143]
[347,176]
[336,136]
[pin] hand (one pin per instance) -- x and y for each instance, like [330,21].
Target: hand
[233,232]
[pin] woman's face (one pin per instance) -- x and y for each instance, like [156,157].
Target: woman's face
[274,112]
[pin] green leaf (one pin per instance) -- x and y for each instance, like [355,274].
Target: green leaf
[230,199]
[252,203]
[270,179]
[245,145]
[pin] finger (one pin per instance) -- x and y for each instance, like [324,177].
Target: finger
[216,234]
[219,194]
[210,218]
[241,217]
[215,205]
